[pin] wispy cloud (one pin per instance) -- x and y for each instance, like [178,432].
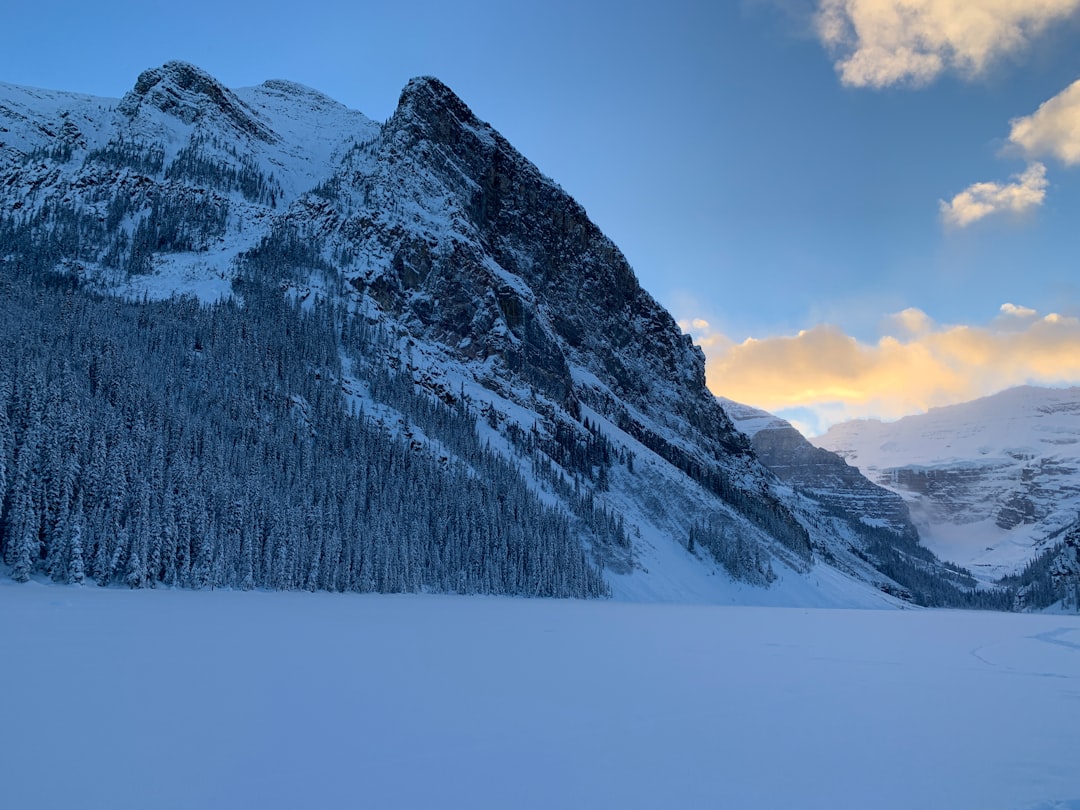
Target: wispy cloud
[1053,130]
[830,376]
[1026,192]
[879,43]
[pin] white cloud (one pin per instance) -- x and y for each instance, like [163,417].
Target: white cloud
[1026,192]
[826,376]
[1053,130]
[879,43]
[1017,311]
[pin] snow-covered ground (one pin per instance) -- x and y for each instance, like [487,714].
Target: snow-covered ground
[179,699]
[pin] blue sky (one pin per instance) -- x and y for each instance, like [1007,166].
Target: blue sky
[772,171]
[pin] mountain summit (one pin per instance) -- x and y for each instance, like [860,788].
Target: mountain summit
[344,355]
[192,95]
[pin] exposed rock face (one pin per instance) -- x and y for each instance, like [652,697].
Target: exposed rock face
[1052,578]
[1065,571]
[531,281]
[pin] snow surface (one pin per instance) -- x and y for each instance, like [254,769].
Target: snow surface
[26,112]
[314,131]
[177,699]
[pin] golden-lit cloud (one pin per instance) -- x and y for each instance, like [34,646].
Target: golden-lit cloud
[1053,130]
[1025,193]
[705,336]
[908,323]
[879,43]
[835,377]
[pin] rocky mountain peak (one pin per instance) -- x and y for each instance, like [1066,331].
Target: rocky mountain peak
[295,90]
[595,316]
[191,94]
[990,482]
[430,100]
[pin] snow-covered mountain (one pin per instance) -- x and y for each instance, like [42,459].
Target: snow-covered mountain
[426,249]
[990,483]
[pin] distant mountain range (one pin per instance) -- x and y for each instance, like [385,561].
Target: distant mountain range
[993,484]
[989,483]
[255,339]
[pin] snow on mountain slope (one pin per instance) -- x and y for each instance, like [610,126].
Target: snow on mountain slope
[177,133]
[313,130]
[31,117]
[863,528]
[990,483]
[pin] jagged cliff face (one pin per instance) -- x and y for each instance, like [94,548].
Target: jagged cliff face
[490,285]
[187,93]
[990,483]
[821,474]
[523,280]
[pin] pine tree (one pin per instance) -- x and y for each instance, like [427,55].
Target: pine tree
[24,517]
[76,572]
[7,442]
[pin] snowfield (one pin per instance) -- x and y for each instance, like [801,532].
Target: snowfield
[178,699]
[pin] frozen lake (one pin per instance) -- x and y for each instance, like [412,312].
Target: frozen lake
[173,699]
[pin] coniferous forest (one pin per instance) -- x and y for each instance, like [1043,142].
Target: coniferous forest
[203,446]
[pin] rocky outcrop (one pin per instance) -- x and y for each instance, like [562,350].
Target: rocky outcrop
[190,94]
[1065,571]
[534,281]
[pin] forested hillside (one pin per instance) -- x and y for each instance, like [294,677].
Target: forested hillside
[203,446]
